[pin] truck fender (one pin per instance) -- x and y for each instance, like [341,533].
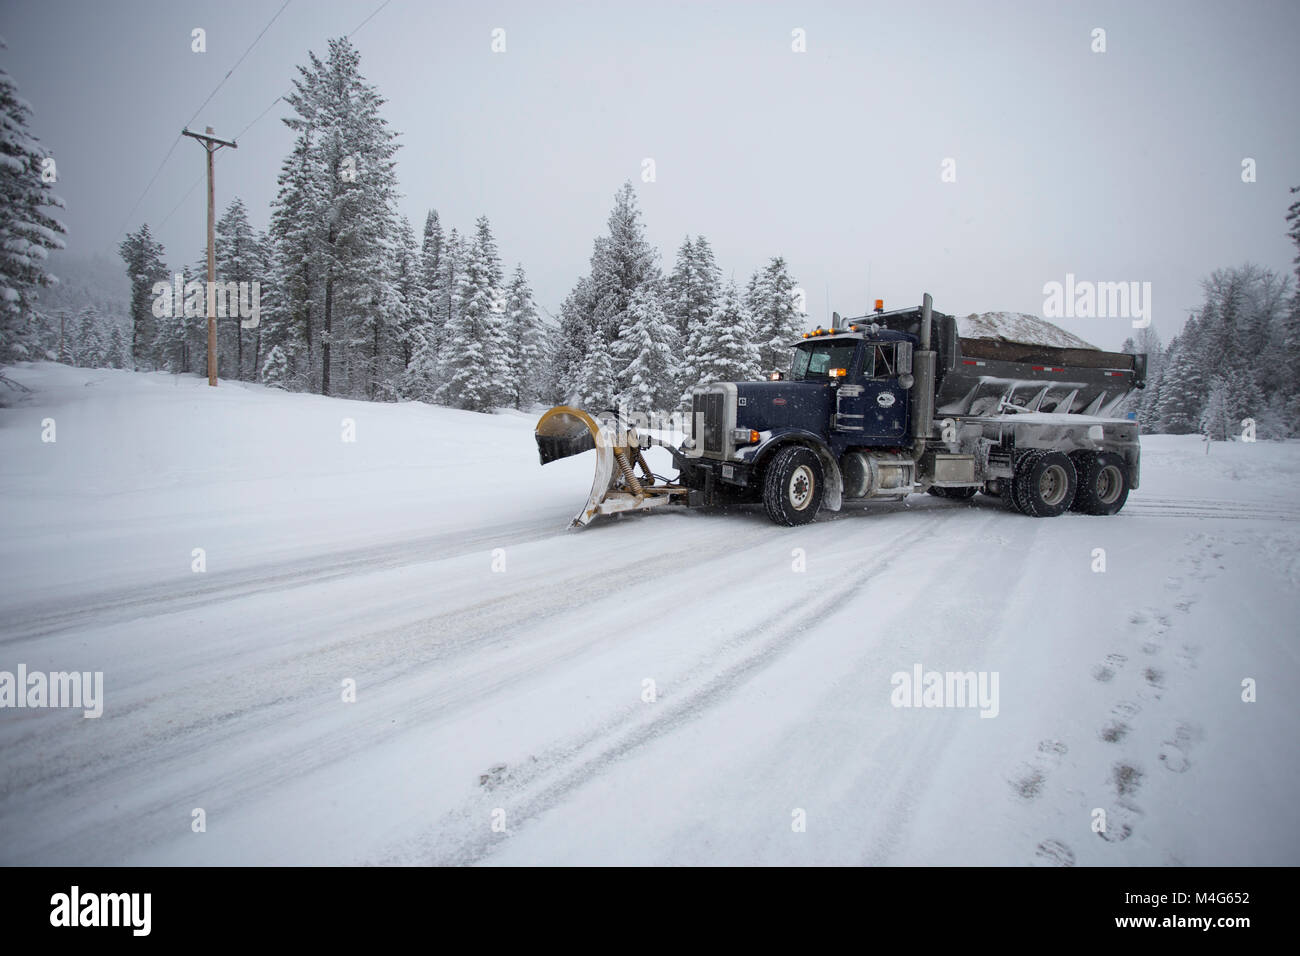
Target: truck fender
[833,496]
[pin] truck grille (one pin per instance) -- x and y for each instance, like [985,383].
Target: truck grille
[711,406]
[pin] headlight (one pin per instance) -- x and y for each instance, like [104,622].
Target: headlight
[744,436]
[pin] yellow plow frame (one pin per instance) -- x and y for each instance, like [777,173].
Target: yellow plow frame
[564,431]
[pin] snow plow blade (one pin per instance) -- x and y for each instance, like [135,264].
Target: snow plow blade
[564,431]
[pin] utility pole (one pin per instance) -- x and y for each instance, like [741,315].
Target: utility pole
[210,145]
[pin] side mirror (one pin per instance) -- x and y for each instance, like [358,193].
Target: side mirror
[905,379]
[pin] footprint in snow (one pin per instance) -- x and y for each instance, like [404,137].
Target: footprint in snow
[1050,752]
[1173,757]
[1126,778]
[1106,670]
[1030,783]
[1114,731]
[1127,709]
[495,776]
[1174,751]
[1120,820]
[1053,853]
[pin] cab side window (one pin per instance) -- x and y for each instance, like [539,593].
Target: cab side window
[884,355]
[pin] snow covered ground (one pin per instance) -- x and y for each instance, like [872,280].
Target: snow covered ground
[516,699]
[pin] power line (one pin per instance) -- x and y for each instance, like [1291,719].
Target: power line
[237,62]
[127,221]
[371,17]
[256,120]
[194,185]
[171,149]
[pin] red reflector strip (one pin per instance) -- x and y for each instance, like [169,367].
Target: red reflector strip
[970,362]
[1047,368]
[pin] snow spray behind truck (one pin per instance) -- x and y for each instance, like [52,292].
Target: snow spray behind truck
[884,406]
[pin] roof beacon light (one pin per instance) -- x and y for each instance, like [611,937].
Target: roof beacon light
[880,305]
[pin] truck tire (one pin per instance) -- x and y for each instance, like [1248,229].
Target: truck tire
[1044,484]
[1103,483]
[792,486]
[956,494]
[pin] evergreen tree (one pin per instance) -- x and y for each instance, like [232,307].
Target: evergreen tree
[1181,387]
[238,259]
[1289,333]
[180,337]
[620,265]
[90,341]
[144,267]
[413,298]
[431,252]
[28,230]
[572,339]
[706,291]
[527,343]
[65,349]
[295,258]
[645,354]
[778,324]
[474,363]
[275,370]
[1216,422]
[728,352]
[679,299]
[116,356]
[353,212]
[595,386]
[450,267]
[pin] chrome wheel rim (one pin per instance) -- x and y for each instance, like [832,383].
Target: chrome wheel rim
[800,488]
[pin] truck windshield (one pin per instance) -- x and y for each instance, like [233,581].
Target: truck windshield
[815,360]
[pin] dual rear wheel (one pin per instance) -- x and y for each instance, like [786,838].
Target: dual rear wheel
[1048,483]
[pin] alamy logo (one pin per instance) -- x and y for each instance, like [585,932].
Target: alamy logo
[921,688]
[102,909]
[1083,299]
[233,300]
[55,689]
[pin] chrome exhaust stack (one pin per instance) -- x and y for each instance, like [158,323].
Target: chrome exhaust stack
[923,362]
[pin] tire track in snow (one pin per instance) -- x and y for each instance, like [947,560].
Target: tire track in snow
[545,782]
[1143,506]
[292,691]
[197,591]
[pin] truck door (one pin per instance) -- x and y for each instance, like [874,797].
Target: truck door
[883,402]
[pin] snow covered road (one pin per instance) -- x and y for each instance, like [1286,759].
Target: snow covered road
[662,688]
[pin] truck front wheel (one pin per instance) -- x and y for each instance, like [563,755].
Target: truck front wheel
[1044,484]
[792,486]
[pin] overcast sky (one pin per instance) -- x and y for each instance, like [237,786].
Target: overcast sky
[1114,166]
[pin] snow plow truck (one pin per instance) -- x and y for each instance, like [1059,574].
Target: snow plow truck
[881,407]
